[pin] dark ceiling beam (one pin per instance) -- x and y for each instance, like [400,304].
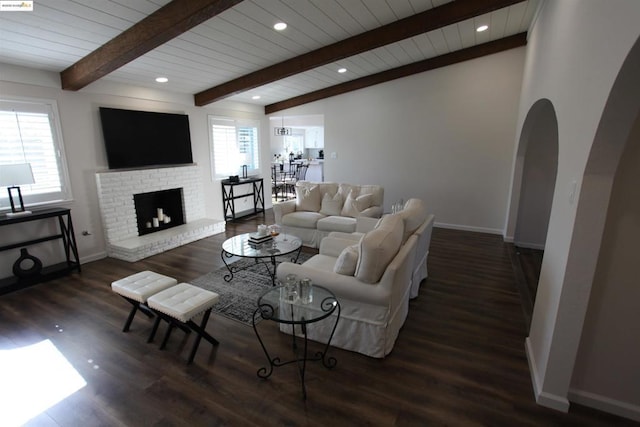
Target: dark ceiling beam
[404,71]
[423,22]
[161,26]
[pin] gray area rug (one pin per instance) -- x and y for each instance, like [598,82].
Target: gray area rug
[238,298]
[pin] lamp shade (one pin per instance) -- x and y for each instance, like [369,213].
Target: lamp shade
[16,174]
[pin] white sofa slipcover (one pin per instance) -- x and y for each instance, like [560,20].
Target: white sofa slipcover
[416,221]
[371,313]
[312,220]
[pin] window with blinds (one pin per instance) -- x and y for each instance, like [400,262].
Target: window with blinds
[234,143]
[30,133]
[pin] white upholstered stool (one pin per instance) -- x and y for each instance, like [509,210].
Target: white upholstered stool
[178,305]
[138,287]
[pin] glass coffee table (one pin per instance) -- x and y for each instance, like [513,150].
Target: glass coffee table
[275,305]
[265,253]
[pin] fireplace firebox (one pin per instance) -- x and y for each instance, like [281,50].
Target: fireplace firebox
[158,210]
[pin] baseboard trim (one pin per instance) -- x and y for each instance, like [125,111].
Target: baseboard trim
[529,245]
[548,400]
[468,228]
[93,257]
[605,404]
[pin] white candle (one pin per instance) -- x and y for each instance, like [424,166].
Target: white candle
[167,219]
[160,214]
[156,223]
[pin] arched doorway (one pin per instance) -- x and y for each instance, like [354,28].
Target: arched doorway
[607,362]
[536,171]
[555,337]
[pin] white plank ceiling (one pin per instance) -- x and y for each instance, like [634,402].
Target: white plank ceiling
[241,40]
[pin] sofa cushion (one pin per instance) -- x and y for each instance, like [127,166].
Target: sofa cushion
[347,261]
[413,215]
[378,247]
[302,219]
[337,223]
[331,205]
[308,198]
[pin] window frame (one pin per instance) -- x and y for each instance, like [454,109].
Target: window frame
[50,107]
[236,123]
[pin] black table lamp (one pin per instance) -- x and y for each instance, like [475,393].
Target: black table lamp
[12,176]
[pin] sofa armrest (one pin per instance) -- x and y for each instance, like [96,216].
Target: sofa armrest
[372,212]
[333,246]
[281,209]
[364,224]
[342,286]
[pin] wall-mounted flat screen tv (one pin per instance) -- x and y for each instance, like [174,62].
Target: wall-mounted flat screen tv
[139,139]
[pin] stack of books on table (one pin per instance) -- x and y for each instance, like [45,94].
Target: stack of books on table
[255,240]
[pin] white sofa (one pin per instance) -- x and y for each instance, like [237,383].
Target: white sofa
[323,207]
[416,221]
[371,278]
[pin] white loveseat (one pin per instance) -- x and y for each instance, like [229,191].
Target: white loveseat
[323,207]
[371,279]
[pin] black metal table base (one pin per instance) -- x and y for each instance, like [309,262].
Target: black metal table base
[266,311]
[271,261]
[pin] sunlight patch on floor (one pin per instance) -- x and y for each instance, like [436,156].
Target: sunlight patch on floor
[34,378]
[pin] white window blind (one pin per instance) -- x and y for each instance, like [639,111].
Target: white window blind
[234,143]
[29,133]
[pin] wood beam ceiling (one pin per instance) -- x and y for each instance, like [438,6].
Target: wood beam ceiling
[404,71]
[429,20]
[161,26]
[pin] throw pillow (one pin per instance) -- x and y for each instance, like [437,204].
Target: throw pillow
[345,189]
[364,201]
[349,208]
[331,205]
[347,261]
[354,205]
[378,248]
[308,198]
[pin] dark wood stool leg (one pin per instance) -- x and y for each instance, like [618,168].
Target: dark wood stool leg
[154,329]
[166,335]
[201,333]
[127,324]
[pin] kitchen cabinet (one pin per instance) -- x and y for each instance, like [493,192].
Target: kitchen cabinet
[315,173]
[314,137]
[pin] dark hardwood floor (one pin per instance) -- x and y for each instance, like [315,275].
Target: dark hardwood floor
[459,359]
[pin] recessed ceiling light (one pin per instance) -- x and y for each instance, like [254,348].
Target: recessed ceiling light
[482,28]
[280,26]
[162,79]
[342,70]
[255,97]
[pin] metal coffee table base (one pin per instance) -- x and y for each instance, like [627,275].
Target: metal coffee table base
[272,261]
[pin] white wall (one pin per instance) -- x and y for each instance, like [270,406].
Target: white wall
[445,136]
[608,361]
[574,54]
[83,142]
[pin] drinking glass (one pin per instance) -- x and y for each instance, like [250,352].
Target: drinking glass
[291,288]
[305,291]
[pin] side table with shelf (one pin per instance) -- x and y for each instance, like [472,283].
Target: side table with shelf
[70,247]
[229,197]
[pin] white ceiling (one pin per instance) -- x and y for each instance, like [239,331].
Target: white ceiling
[241,40]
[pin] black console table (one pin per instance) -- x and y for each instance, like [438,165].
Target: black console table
[48,272]
[229,197]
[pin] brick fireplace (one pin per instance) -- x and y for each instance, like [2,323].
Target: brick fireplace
[116,190]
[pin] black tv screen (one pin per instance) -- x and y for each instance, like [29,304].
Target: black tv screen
[135,139]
